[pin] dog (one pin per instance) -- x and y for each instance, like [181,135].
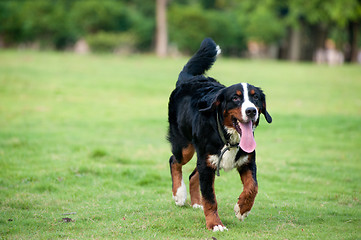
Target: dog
[217,123]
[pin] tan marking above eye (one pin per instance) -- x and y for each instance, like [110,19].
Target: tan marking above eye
[252,92]
[239,92]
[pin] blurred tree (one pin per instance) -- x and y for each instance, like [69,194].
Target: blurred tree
[161,44]
[233,22]
[43,21]
[143,18]
[260,20]
[321,17]
[145,8]
[214,4]
[190,24]
[93,16]
[298,27]
[187,26]
[10,27]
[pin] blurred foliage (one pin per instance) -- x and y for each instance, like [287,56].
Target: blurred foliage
[60,23]
[264,23]
[188,21]
[330,12]
[111,42]
[43,21]
[94,16]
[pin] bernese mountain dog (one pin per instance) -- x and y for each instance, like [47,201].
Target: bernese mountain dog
[216,122]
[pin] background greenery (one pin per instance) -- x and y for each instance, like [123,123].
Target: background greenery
[60,23]
[86,135]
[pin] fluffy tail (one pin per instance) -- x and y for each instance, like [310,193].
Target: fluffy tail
[201,61]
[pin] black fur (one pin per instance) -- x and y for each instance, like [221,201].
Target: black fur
[192,116]
[192,105]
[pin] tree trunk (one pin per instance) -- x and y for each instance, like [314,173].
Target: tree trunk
[353,32]
[161,44]
[295,44]
[317,36]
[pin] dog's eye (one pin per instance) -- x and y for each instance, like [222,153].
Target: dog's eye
[236,99]
[255,97]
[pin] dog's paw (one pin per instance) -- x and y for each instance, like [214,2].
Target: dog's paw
[197,206]
[219,228]
[181,195]
[239,215]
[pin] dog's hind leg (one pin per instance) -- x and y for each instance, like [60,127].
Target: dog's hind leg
[194,189]
[178,187]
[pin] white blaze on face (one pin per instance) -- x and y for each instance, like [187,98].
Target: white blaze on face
[247,103]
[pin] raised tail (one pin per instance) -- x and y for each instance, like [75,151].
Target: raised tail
[201,61]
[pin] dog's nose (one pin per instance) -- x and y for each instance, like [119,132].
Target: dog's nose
[251,112]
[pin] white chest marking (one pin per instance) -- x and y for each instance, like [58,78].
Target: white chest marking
[228,161]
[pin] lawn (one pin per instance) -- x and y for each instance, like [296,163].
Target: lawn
[83,150]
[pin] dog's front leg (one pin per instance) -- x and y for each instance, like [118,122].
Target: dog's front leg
[250,189]
[206,179]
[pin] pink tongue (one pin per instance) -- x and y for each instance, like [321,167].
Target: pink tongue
[247,143]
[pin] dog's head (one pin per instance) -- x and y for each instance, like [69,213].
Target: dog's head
[240,106]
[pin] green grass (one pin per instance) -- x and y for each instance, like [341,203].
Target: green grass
[86,135]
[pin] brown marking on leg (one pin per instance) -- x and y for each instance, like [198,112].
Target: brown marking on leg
[194,188]
[187,154]
[250,190]
[176,167]
[209,201]
[211,214]
[176,172]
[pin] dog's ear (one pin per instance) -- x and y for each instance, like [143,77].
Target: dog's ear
[211,104]
[264,110]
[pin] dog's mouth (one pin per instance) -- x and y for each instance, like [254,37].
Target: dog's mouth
[245,130]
